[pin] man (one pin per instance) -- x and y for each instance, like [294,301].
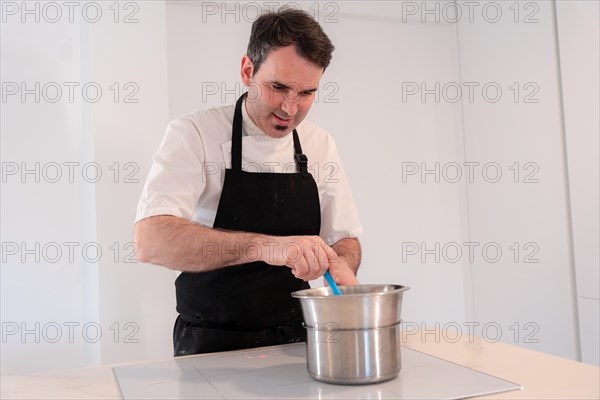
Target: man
[246,239]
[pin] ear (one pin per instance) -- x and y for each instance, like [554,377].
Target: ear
[247,70]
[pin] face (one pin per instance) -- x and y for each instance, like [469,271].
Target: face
[281,92]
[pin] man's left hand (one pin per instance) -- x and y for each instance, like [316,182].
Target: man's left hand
[341,273]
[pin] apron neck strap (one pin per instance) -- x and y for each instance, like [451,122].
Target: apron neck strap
[236,135]
[301,159]
[236,142]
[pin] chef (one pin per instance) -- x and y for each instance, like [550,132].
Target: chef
[250,201]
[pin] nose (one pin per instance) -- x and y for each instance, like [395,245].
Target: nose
[290,106]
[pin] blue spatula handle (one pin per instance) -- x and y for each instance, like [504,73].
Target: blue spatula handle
[332,284]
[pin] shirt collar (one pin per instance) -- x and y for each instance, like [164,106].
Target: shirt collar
[248,126]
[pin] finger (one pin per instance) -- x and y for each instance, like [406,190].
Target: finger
[310,251]
[300,269]
[345,276]
[349,280]
[312,259]
[321,263]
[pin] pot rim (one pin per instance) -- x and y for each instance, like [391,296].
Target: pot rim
[302,294]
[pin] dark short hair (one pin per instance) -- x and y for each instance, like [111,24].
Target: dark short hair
[285,27]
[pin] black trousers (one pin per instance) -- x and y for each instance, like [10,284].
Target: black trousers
[193,338]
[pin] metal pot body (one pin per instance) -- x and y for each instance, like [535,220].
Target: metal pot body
[353,357]
[353,338]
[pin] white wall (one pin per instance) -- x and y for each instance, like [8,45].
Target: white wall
[181,56]
[83,312]
[139,298]
[45,291]
[532,302]
[579,44]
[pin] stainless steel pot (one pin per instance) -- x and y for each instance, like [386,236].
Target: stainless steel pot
[354,356]
[353,338]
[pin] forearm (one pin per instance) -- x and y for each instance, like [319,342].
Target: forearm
[181,245]
[350,251]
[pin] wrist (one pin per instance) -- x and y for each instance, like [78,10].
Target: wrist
[263,248]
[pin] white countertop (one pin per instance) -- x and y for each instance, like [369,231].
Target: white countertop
[542,376]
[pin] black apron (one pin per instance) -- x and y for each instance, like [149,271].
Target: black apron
[249,305]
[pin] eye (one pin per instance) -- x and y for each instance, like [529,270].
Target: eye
[278,87]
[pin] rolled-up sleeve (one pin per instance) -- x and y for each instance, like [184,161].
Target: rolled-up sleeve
[175,180]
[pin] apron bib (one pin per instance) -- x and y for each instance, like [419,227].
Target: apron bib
[249,305]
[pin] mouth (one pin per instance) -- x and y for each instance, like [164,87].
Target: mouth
[282,121]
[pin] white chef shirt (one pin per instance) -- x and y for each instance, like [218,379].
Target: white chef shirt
[188,169]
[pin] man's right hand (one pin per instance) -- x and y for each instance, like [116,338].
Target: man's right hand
[307,256]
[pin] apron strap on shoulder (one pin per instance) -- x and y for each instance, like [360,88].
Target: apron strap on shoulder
[301,159]
[236,137]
